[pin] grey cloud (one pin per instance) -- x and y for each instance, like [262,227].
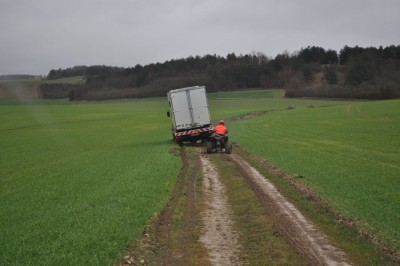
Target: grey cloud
[37,36]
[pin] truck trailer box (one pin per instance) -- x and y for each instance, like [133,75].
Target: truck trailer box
[191,119]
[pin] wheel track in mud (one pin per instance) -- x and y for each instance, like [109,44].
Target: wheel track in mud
[219,241]
[313,244]
[218,236]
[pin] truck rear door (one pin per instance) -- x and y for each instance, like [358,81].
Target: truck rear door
[181,112]
[200,115]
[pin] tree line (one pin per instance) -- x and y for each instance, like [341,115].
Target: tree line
[354,72]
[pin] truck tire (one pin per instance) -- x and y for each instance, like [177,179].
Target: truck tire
[228,147]
[209,147]
[177,141]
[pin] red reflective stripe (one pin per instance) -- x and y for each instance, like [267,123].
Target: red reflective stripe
[192,131]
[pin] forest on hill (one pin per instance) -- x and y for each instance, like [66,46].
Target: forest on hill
[353,72]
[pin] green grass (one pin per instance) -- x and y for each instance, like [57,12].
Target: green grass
[349,154]
[357,250]
[79,181]
[230,106]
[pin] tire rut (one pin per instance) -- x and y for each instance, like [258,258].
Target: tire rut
[302,233]
[219,237]
[207,231]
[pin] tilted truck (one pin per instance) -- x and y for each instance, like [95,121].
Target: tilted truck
[188,108]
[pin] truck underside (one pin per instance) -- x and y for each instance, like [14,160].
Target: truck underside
[192,135]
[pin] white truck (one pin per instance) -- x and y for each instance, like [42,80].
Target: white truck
[188,108]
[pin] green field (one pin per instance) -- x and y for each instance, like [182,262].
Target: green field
[226,105]
[79,180]
[349,154]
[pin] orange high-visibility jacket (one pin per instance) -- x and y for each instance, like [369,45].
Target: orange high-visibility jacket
[221,129]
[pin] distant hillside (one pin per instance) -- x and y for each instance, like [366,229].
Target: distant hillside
[354,72]
[18,77]
[33,87]
[19,88]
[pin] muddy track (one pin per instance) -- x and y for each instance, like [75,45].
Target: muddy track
[197,227]
[218,236]
[302,233]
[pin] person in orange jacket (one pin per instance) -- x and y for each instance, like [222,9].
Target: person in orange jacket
[220,128]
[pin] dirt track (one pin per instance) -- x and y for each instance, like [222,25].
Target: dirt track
[302,233]
[207,233]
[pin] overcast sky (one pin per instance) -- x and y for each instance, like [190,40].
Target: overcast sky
[39,35]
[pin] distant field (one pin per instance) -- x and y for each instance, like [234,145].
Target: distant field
[349,154]
[28,89]
[69,80]
[252,94]
[225,105]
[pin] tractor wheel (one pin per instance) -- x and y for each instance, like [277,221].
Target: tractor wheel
[209,147]
[228,147]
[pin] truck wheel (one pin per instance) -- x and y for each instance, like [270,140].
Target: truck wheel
[209,147]
[228,147]
[177,141]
